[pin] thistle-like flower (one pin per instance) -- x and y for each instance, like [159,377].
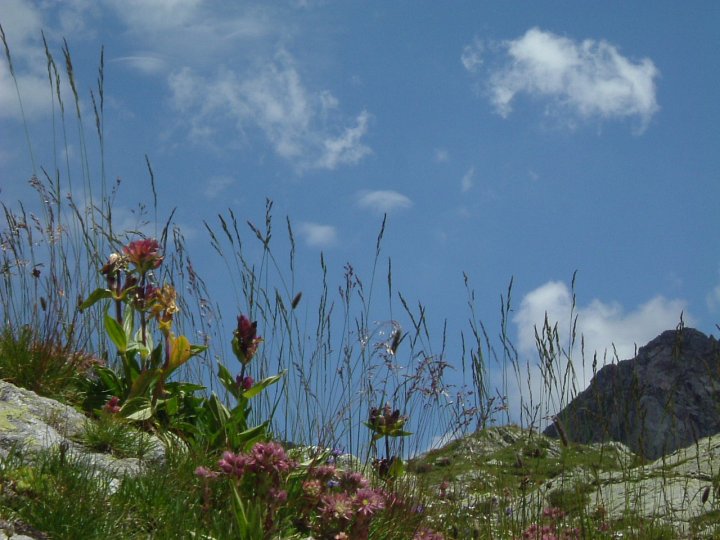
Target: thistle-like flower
[245,340]
[144,254]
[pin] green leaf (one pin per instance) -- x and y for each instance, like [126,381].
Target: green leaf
[115,332]
[171,405]
[128,320]
[144,381]
[245,440]
[95,296]
[179,386]
[262,385]
[138,409]
[219,411]
[228,381]
[397,468]
[112,383]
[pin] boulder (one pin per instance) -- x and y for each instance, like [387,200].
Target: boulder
[30,424]
[664,399]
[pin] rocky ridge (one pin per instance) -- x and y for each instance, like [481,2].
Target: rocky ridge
[664,399]
[502,472]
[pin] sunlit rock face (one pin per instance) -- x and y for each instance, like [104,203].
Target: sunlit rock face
[666,398]
[30,424]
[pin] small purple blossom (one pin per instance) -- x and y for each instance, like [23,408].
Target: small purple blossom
[235,464]
[245,383]
[204,472]
[270,457]
[352,481]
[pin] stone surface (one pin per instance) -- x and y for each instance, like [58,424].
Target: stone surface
[502,471]
[665,398]
[30,423]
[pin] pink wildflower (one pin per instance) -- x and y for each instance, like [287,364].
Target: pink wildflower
[204,472]
[234,464]
[352,481]
[337,506]
[368,501]
[270,457]
[144,254]
[113,405]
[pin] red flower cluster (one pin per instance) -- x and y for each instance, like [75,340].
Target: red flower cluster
[144,254]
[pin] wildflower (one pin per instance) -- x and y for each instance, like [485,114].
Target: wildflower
[144,254]
[337,506]
[352,481]
[312,488]
[385,421]
[270,457]
[245,340]
[244,382]
[341,536]
[113,405]
[114,264]
[204,472]
[368,501]
[163,305]
[234,464]
[278,496]
[324,472]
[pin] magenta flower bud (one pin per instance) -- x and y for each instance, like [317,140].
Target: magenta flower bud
[245,383]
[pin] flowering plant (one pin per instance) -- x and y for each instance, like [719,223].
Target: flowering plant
[140,389]
[224,427]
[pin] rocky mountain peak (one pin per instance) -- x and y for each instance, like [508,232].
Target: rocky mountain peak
[665,398]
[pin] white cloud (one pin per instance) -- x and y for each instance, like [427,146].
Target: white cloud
[317,235]
[215,185]
[588,79]
[713,299]
[155,16]
[606,327]
[23,23]
[441,155]
[149,64]
[272,99]
[467,181]
[382,201]
[347,149]
[472,55]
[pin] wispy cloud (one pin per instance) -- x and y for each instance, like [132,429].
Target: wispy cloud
[472,55]
[586,79]
[317,235]
[468,180]
[149,64]
[441,155]
[216,185]
[713,299]
[272,99]
[382,201]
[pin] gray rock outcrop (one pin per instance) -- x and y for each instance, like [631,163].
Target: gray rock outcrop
[664,399]
[30,424]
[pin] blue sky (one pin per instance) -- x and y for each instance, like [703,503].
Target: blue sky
[506,139]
